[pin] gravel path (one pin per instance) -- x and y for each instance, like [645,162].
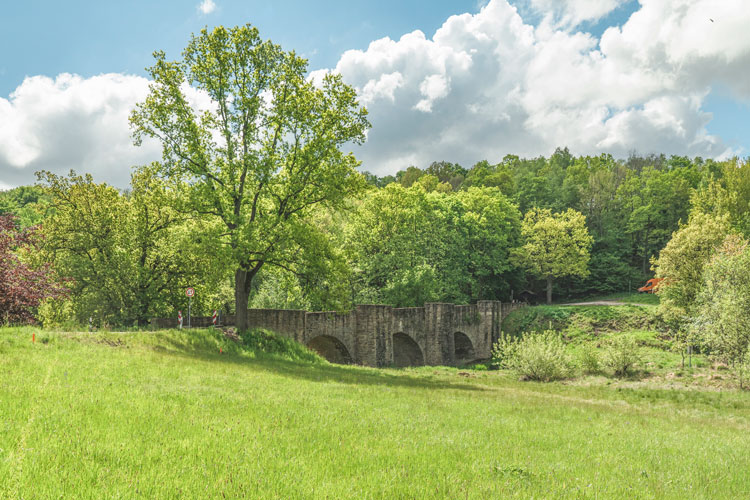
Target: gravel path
[604,303]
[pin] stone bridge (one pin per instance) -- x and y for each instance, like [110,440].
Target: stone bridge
[377,335]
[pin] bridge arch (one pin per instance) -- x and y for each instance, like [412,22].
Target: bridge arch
[464,349]
[331,348]
[406,351]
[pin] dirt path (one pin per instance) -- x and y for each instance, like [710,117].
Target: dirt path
[604,303]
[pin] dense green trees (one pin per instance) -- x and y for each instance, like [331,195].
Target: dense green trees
[682,261]
[447,237]
[129,255]
[408,246]
[631,206]
[29,204]
[704,267]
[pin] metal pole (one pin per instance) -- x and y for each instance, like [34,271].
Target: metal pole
[190,303]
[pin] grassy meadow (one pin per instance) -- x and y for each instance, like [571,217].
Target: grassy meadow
[166,415]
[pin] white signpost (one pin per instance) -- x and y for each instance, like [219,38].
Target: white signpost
[190,291]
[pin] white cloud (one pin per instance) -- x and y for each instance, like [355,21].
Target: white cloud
[432,88]
[72,123]
[482,86]
[489,84]
[207,6]
[571,13]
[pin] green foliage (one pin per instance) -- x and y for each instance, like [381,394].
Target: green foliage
[681,264]
[534,356]
[723,304]
[622,355]
[589,360]
[57,313]
[555,245]
[274,289]
[129,257]
[409,245]
[727,194]
[261,161]
[411,287]
[29,204]
[456,229]
[742,369]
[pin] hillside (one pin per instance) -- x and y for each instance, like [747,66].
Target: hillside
[594,328]
[164,414]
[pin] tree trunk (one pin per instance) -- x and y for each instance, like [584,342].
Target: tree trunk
[242,281]
[549,289]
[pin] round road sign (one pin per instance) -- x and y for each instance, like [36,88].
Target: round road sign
[190,292]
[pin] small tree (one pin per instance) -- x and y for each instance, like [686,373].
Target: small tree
[723,305]
[681,265]
[622,355]
[22,287]
[683,259]
[556,245]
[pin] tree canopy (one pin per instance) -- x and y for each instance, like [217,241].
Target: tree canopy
[555,245]
[264,153]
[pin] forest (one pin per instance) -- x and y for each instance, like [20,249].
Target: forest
[442,233]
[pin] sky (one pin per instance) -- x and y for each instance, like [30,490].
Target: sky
[455,80]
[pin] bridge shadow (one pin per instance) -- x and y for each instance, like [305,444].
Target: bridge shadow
[320,371]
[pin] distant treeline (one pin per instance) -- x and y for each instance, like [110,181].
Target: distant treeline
[632,206]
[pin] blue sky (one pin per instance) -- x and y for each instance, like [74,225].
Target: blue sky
[90,37]
[519,77]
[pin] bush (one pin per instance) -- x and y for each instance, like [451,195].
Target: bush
[534,356]
[589,360]
[622,356]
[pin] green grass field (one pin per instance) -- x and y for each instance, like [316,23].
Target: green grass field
[164,415]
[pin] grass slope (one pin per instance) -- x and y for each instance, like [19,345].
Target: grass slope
[590,326]
[163,415]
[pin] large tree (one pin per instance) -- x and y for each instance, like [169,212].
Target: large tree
[263,155]
[555,245]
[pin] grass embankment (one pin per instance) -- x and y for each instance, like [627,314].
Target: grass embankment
[164,415]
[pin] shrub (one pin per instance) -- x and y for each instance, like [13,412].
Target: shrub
[534,356]
[622,356]
[589,360]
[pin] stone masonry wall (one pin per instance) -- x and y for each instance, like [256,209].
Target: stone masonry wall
[377,335]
